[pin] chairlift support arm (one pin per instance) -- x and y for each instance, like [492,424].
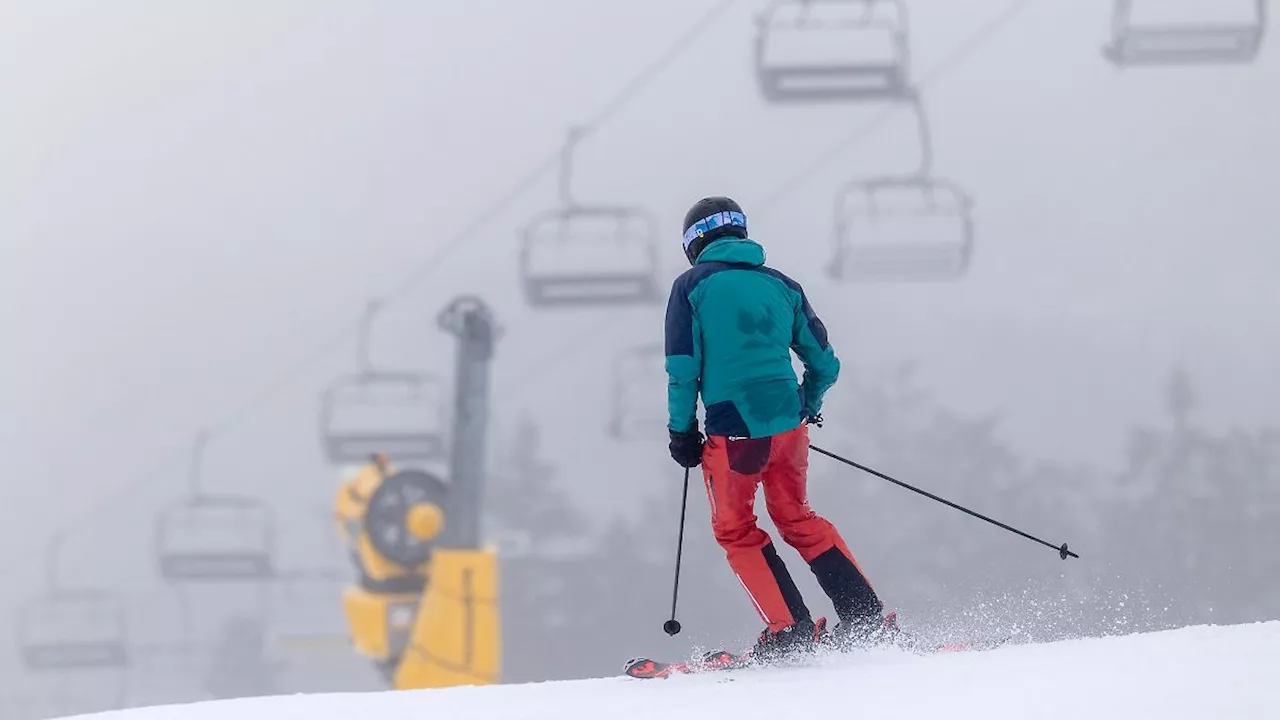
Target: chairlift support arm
[926,134]
[194,479]
[52,554]
[364,356]
[566,165]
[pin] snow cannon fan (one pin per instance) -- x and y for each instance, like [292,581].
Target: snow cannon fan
[426,607]
[405,515]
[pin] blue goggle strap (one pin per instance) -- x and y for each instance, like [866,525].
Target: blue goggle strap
[725,218]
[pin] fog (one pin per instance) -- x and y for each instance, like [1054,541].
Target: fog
[198,199]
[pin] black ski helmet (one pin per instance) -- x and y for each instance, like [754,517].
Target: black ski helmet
[709,220]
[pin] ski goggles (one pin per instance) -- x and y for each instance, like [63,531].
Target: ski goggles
[726,218]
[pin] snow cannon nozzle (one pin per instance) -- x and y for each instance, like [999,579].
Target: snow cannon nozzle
[671,627]
[1064,553]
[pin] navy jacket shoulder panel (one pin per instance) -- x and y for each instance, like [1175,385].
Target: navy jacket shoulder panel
[679,322]
[815,324]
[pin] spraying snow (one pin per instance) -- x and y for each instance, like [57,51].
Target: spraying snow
[1199,672]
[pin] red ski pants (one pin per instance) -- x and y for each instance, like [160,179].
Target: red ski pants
[732,470]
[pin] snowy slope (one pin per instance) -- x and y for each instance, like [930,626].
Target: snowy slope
[1201,672]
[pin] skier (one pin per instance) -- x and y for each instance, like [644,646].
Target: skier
[730,326]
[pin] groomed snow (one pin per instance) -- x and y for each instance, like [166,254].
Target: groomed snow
[1198,673]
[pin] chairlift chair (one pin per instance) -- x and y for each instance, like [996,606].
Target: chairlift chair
[73,630]
[812,50]
[590,255]
[216,538]
[908,228]
[396,413]
[639,394]
[1211,36]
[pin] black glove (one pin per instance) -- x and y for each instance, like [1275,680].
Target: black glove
[686,447]
[814,419]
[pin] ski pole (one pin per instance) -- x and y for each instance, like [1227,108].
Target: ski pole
[672,626]
[1063,552]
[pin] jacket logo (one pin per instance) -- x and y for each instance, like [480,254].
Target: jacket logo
[762,324]
[756,326]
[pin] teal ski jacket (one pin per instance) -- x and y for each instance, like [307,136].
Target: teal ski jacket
[731,325]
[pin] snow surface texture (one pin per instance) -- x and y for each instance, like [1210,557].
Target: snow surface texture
[1223,673]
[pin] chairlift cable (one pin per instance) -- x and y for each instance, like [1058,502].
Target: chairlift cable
[255,401]
[492,210]
[508,199]
[952,62]
[98,508]
[553,160]
[633,88]
[258,399]
[329,345]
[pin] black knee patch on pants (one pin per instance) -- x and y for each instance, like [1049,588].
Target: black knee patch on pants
[790,593]
[848,589]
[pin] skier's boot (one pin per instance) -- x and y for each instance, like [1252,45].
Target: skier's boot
[865,632]
[799,639]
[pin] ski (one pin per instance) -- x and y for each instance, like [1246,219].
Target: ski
[643,668]
[648,669]
[718,660]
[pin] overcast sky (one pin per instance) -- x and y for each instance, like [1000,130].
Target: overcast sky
[195,196]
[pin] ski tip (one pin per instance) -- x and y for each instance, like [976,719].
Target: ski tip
[645,668]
